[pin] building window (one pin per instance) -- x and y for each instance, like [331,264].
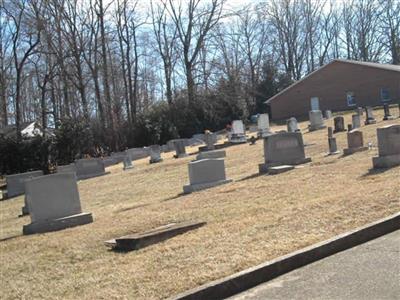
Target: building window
[385,95]
[351,100]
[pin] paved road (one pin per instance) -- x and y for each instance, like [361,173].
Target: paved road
[368,271]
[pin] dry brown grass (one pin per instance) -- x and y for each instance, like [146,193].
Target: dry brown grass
[249,221]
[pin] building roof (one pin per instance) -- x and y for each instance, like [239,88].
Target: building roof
[388,67]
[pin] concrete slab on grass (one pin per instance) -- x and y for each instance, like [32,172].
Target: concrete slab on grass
[141,240]
[279,169]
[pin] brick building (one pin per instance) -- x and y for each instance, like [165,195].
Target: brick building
[339,85]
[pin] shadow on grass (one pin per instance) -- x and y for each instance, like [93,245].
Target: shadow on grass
[10,237]
[373,171]
[255,175]
[132,207]
[173,197]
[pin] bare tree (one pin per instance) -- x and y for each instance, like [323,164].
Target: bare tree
[5,65]
[390,23]
[24,41]
[193,25]
[100,11]
[286,20]
[166,37]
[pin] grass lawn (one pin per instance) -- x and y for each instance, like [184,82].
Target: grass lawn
[251,220]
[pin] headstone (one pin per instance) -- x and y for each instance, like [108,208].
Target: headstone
[109,161]
[155,154]
[205,173]
[54,203]
[356,121]
[399,109]
[211,154]
[328,114]
[369,116]
[165,148]
[314,103]
[127,162]
[171,145]
[388,147]
[279,169]
[292,125]
[284,148]
[349,127]
[339,124]
[330,132]
[25,209]
[66,168]
[238,133]
[360,111]
[180,148]
[16,182]
[355,142]
[89,167]
[332,146]
[263,125]
[118,157]
[316,120]
[386,109]
[210,139]
[138,153]
[198,136]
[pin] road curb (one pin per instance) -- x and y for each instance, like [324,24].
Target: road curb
[246,279]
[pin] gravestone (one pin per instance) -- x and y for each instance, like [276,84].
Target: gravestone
[263,125]
[198,136]
[332,146]
[205,173]
[211,154]
[137,153]
[328,114]
[15,182]
[386,109]
[89,167]
[355,142]
[292,125]
[210,139]
[118,157]
[399,109]
[388,147]
[127,161]
[314,103]
[330,132]
[284,148]
[25,208]
[155,154]
[349,127]
[238,133]
[165,148]
[360,111]
[109,161]
[316,120]
[66,168]
[339,124]
[355,121]
[54,203]
[369,116]
[180,148]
